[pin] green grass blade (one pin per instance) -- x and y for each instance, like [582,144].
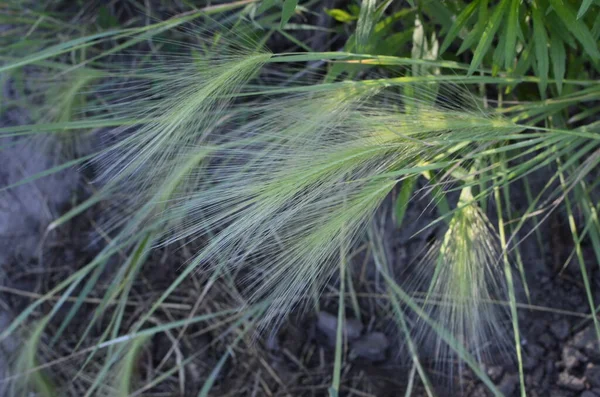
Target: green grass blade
[365,24]
[406,192]
[511,291]
[585,4]
[559,60]
[488,35]
[125,375]
[510,43]
[289,7]
[576,27]
[458,24]
[540,41]
[37,381]
[334,390]
[578,249]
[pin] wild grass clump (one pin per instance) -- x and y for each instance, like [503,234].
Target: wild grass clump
[467,283]
[271,177]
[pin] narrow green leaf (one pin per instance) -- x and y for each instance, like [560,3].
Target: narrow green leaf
[46,172]
[541,48]
[511,286]
[126,374]
[458,24]
[576,27]
[289,7]
[488,35]
[596,29]
[365,24]
[559,60]
[577,241]
[439,12]
[339,335]
[525,60]
[213,375]
[556,24]
[498,56]
[208,383]
[406,191]
[511,35]
[475,34]
[585,4]
[27,359]
[59,49]
[265,5]
[105,19]
[440,200]
[380,10]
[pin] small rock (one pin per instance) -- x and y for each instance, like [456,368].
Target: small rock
[534,352]
[560,329]
[550,370]
[529,363]
[538,375]
[495,372]
[533,393]
[327,323]
[583,337]
[592,375]
[587,341]
[371,346]
[509,384]
[536,329]
[572,357]
[571,382]
[545,279]
[547,340]
[577,301]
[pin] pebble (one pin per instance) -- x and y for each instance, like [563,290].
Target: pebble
[547,340]
[592,375]
[534,352]
[571,382]
[371,346]
[582,338]
[572,357]
[509,384]
[550,370]
[495,372]
[536,329]
[538,375]
[327,323]
[587,341]
[560,329]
